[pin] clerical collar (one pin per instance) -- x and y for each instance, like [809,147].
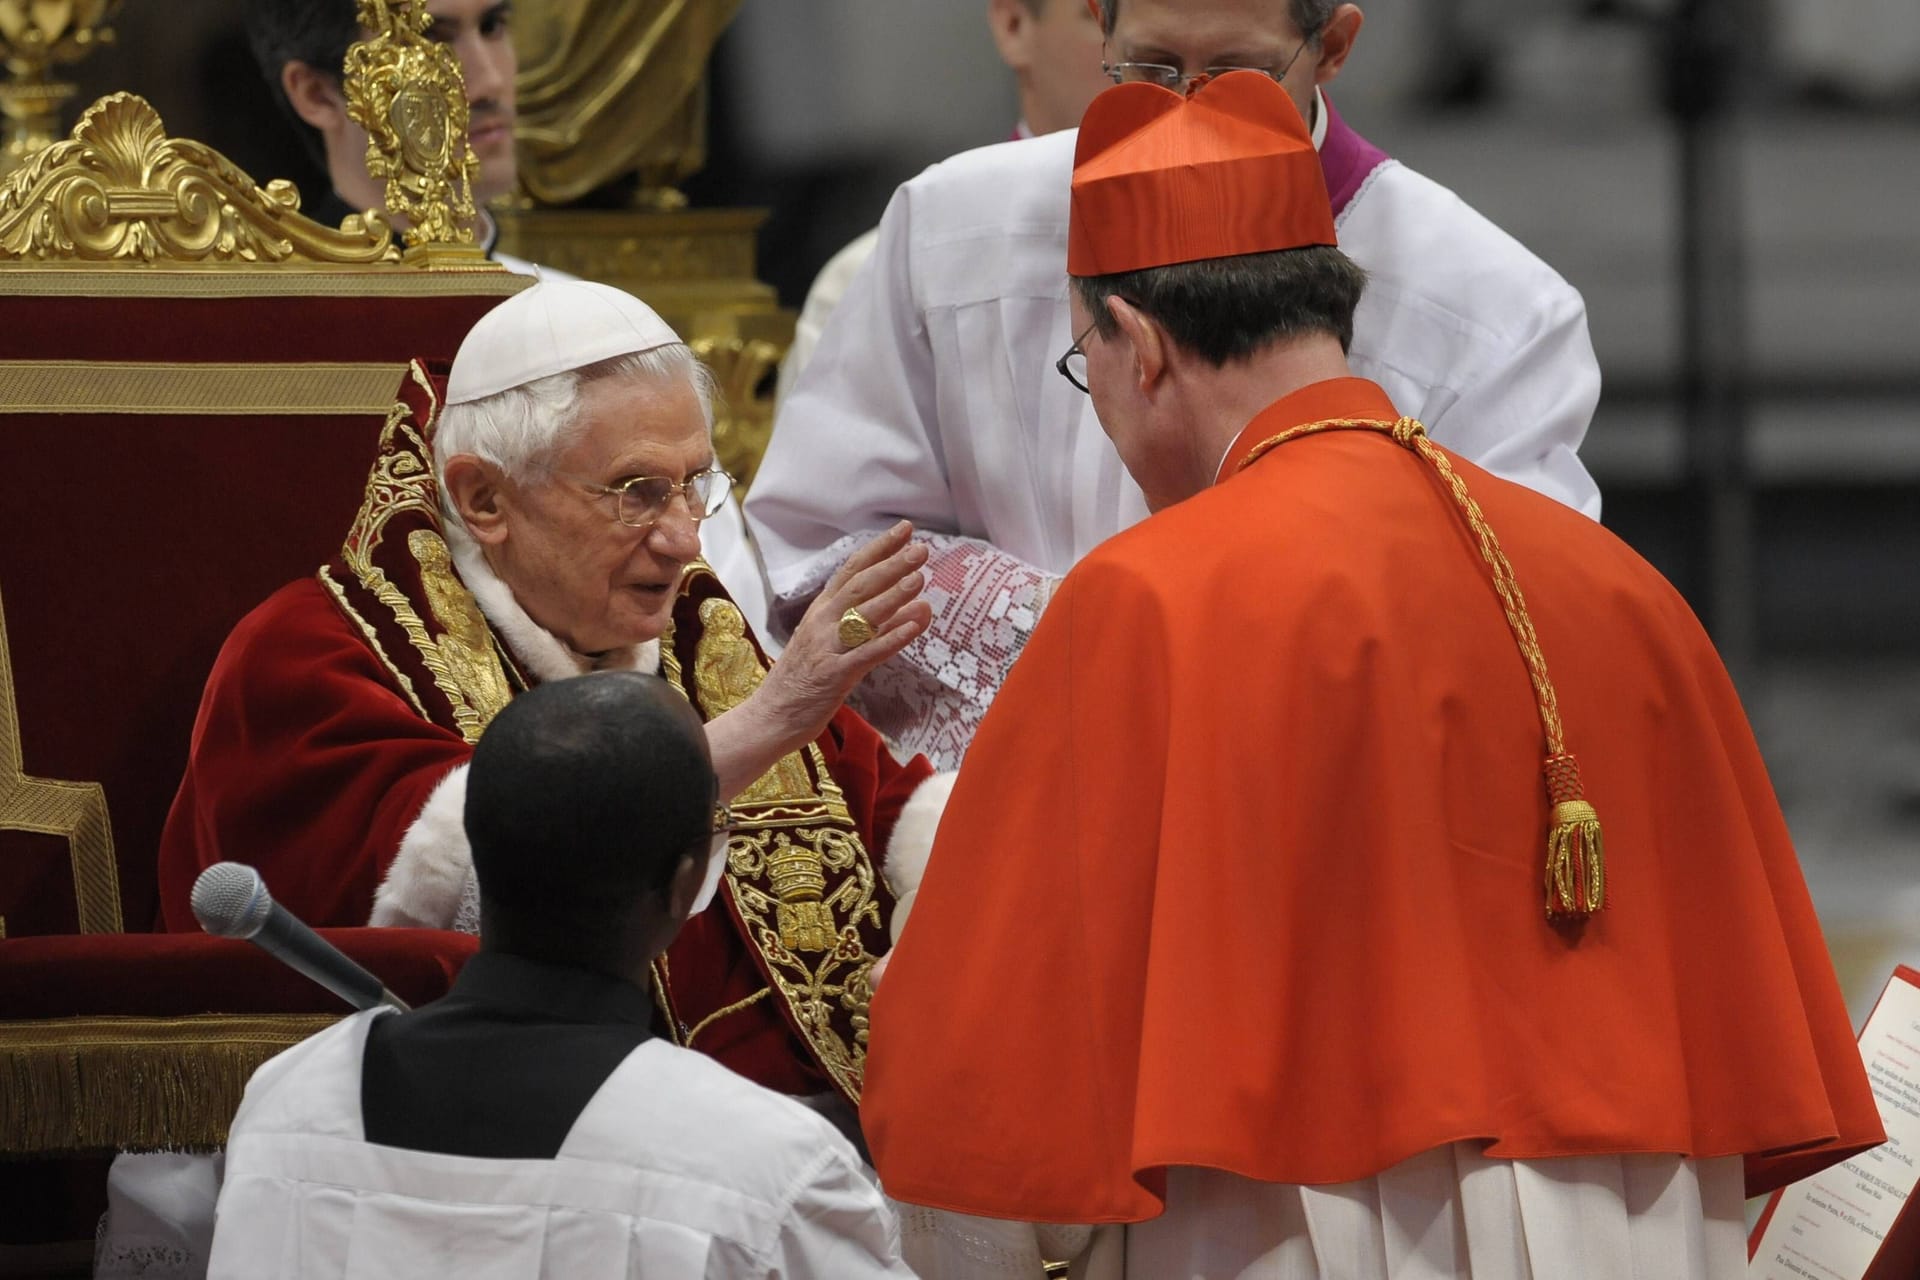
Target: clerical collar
[1335,399]
[550,992]
[544,655]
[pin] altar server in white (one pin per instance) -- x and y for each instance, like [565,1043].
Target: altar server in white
[530,1124]
[933,394]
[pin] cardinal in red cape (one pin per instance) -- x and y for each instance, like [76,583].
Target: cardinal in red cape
[1368,869]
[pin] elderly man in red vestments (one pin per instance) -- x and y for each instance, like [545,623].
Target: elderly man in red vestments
[544,523]
[1233,936]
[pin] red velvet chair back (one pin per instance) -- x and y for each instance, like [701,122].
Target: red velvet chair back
[174,446]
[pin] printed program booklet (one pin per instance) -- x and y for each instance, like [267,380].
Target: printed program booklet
[1858,1220]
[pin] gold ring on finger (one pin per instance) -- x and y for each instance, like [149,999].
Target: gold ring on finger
[855,630]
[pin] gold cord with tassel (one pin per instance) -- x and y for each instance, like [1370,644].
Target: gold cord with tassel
[1576,869]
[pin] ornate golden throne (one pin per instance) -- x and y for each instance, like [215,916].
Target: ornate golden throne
[192,380]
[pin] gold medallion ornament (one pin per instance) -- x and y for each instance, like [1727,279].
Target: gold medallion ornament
[408,93]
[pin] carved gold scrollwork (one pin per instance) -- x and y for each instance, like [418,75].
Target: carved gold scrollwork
[76,811]
[120,190]
[409,95]
[743,422]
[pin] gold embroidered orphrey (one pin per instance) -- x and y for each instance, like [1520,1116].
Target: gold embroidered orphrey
[792,833]
[462,659]
[121,191]
[75,811]
[407,92]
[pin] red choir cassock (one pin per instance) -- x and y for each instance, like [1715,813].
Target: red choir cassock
[1252,865]
[338,709]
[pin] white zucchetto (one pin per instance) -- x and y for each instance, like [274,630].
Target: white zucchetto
[552,327]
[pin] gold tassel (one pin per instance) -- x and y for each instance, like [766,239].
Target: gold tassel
[1576,877]
[1576,862]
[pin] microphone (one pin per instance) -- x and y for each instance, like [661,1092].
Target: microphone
[230,900]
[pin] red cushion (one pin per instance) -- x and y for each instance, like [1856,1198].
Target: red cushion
[173,975]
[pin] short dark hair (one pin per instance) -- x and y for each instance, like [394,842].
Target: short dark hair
[1308,15]
[1229,308]
[584,796]
[315,32]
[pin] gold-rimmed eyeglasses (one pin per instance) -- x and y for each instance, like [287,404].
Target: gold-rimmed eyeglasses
[643,499]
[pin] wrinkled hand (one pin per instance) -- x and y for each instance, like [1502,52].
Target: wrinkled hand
[815,672]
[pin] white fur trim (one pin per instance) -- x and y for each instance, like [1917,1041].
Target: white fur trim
[545,656]
[912,844]
[422,888]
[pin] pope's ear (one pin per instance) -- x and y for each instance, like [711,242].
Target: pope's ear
[1144,335]
[475,490]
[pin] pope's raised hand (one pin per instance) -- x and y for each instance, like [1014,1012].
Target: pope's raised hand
[869,611]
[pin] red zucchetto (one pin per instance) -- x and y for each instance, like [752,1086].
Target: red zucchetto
[1159,178]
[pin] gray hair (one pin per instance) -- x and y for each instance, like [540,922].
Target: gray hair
[1308,15]
[520,429]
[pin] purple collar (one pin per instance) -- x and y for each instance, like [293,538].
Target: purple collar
[1346,158]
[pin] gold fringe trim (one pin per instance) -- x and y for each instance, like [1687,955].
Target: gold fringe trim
[71,1086]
